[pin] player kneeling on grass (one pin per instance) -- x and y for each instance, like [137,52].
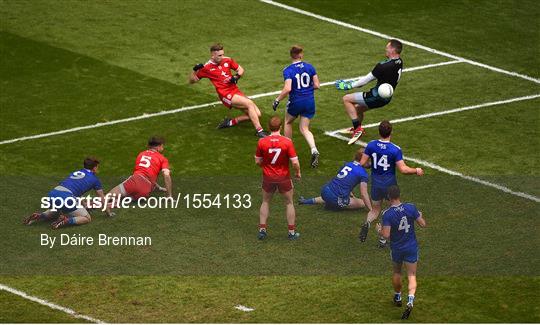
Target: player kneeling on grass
[398,226]
[301,80]
[386,72]
[273,155]
[218,70]
[338,193]
[64,197]
[148,165]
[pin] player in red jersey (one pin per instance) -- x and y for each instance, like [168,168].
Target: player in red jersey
[148,165]
[273,155]
[218,70]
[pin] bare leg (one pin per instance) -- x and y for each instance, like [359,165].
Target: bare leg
[350,108]
[374,213]
[249,108]
[287,129]
[355,203]
[304,129]
[411,275]
[396,277]
[291,214]
[264,211]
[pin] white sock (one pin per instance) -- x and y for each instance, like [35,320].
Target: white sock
[314,150]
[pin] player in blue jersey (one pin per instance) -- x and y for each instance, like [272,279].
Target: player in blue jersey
[301,80]
[64,197]
[385,157]
[385,72]
[338,193]
[398,226]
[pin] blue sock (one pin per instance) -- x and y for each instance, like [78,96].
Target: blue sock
[411,300]
[309,201]
[397,296]
[71,221]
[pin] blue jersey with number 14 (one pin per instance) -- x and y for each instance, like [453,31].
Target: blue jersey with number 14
[301,74]
[383,155]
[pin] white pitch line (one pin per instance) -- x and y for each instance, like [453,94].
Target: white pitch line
[244,308]
[49,304]
[381,35]
[177,110]
[448,171]
[450,111]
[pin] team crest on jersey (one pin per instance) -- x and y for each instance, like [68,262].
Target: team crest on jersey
[229,96]
[226,65]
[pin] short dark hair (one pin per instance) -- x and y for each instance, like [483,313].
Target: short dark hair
[358,154]
[155,141]
[275,123]
[216,47]
[396,45]
[295,51]
[385,129]
[394,192]
[90,162]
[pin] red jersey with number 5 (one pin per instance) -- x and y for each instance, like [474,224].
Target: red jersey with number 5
[220,75]
[149,163]
[275,152]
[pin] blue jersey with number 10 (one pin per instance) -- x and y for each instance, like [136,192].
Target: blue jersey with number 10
[301,74]
[383,155]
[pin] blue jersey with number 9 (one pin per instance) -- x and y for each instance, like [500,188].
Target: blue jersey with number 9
[401,220]
[383,155]
[301,74]
[81,181]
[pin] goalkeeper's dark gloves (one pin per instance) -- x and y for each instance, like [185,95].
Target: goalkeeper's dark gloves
[343,85]
[198,67]
[275,105]
[234,79]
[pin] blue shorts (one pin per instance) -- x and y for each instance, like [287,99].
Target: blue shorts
[303,107]
[333,201]
[379,193]
[62,195]
[408,255]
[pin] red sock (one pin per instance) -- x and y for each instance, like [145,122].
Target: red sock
[233,122]
[262,226]
[292,228]
[259,130]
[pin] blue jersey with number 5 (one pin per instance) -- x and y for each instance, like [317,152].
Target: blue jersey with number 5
[81,181]
[350,175]
[301,74]
[401,220]
[383,155]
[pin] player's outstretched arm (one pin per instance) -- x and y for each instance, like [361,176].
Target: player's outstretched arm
[365,195]
[168,181]
[363,80]
[316,82]
[404,169]
[421,221]
[287,86]
[193,75]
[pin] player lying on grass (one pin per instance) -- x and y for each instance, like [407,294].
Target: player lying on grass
[338,193]
[387,71]
[65,195]
[218,70]
[398,226]
[273,155]
[148,165]
[383,157]
[301,80]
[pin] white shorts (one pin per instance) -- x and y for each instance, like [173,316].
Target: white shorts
[358,98]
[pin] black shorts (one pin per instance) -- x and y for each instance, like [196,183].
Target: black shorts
[372,99]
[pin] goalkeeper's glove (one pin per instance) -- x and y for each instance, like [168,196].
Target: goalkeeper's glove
[198,67]
[275,105]
[234,79]
[343,85]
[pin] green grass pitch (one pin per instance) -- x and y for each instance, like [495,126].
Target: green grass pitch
[70,64]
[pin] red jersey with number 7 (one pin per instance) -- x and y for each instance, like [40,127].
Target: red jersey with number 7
[275,152]
[149,163]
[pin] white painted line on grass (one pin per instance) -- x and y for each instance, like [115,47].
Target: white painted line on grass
[372,32]
[450,111]
[448,171]
[174,111]
[49,304]
[244,308]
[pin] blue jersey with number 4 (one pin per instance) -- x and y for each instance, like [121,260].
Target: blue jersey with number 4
[401,220]
[350,175]
[301,74]
[81,181]
[383,155]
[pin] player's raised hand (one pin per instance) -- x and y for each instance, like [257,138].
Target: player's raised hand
[198,67]
[378,227]
[343,85]
[275,105]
